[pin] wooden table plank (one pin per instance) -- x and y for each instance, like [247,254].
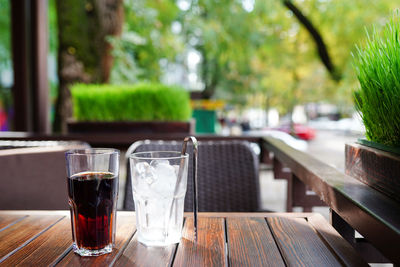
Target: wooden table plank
[46,248]
[21,233]
[6,221]
[137,254]
[126,226]
[250,243]
[209,250]
[341,247]
[299,244]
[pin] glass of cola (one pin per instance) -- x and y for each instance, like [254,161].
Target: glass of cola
[92,176]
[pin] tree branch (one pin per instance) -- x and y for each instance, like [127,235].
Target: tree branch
[321,47]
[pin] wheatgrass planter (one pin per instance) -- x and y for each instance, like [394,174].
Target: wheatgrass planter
[143,108]
[376,161]
[375,167]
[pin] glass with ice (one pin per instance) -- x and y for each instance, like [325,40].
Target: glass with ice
[159,186]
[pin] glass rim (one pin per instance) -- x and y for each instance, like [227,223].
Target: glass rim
[92,151]
[139,155]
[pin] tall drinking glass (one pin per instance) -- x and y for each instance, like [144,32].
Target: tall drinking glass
[92,176]
[159,186]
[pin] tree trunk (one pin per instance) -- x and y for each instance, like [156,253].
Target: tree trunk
[83,52]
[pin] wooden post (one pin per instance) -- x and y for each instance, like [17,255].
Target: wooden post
[365,249]
[29,53]
[21,61]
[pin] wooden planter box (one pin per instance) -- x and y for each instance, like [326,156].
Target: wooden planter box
[374,167]
[137,127]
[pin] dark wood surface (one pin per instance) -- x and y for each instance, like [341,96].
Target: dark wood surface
[55,240]
[29,42]
[251,243]
[21,57]
[374,167]
[373,214]
[341,248]
[132,127]
[291,234]
[41,238]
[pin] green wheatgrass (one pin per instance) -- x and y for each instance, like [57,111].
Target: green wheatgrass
[140,102]
[378,98]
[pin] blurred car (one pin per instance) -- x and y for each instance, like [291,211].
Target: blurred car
[350,125]
[303,132]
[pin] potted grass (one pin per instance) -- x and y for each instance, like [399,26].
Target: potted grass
[140,108]
[376,159]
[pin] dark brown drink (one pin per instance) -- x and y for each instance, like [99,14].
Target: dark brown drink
[93,200]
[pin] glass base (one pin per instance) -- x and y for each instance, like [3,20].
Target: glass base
[152,243]
[154,237]
[92,252]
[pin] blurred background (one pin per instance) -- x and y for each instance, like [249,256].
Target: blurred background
[251,67]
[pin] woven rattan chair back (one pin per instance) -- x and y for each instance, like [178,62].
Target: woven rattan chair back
[227,175]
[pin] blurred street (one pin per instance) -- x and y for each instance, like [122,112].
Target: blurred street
[328,146]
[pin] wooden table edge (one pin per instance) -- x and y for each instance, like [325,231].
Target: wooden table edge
[187,214]
[252,214]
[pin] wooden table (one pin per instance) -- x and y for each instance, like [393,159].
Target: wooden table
[41,238]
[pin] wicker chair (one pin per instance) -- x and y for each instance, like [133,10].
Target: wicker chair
[227,175]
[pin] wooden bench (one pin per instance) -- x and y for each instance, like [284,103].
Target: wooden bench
[355,206]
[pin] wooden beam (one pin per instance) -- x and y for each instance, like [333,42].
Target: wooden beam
[21,61]
[29,53]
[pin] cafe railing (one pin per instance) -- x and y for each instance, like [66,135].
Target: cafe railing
[355,206]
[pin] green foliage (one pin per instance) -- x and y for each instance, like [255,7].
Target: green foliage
[5,34]
[147,38]
[125,69]
[264,57]
[53,30]
[145,101]
[5,28]
[378,71]
[259,56]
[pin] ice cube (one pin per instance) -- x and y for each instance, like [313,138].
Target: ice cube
[166,179]
[150,175]
[145,172]
[154,163]
[142,177]
[156,209]
[141,167]
[143,189]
